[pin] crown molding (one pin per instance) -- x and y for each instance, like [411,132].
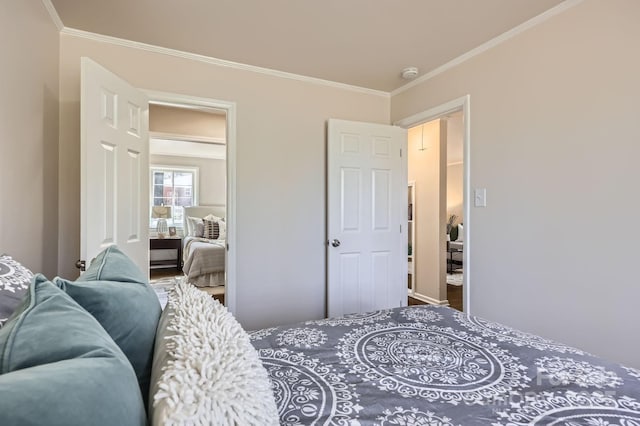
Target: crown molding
[218,62]
[54,14]
[567,4]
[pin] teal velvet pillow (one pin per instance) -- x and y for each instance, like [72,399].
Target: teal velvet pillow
[118,295]
[111,264]
[129,312]
[60,368]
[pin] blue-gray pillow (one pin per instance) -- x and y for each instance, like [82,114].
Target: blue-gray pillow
[60,368]
[129,312]
[118,295]
[111,264]
[14,282]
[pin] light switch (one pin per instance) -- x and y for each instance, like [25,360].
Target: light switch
[480,197]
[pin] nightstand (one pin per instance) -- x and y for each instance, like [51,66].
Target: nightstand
[167,244]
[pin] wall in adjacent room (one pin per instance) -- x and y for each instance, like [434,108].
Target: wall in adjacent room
[455,167]
[554,140]
[281,163]
[454,191]
[426,168]
[184,121]
[29,135]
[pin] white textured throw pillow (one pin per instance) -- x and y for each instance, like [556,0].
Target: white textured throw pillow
[211,374]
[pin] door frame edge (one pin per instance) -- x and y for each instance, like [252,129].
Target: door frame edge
[231,111]
[463,103]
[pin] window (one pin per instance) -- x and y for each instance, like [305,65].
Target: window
[175,187]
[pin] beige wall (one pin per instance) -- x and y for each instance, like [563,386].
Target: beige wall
[280,169]
[426,169]
[554,140]
[29,135]
[212,176]
[187,122]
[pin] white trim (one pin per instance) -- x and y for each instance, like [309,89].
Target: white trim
[54,14]
[158,147]
[186,138]
[230,109]
[463,103]
[567,4]
[218,62]
[429,300]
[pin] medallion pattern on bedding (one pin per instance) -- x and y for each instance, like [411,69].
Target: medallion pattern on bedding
[428,365]
[14,282]
[507,334]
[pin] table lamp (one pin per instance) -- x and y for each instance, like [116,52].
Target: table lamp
[162,213]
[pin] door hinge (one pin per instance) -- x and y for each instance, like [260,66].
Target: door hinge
[401,229]
[400,152]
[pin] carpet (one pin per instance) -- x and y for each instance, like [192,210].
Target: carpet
[455,278]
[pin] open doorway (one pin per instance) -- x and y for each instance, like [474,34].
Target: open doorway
[221,145]
[438,225]
[187,166]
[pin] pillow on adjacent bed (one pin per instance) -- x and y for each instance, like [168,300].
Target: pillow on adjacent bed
[215,227]
[195,227]
[205,370]
[59,367]
[124,303]
[14,282]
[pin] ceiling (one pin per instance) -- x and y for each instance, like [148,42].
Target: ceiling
[364,43]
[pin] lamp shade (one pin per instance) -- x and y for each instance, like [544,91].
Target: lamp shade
[161,212]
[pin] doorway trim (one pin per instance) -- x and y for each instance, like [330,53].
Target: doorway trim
[230,108]
[463,103]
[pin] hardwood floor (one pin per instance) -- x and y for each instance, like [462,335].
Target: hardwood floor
[454,295]
[164,273]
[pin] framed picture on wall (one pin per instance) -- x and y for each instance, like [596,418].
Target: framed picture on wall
[172,231]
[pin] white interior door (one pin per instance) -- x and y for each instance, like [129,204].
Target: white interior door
[367,217]
[114,165]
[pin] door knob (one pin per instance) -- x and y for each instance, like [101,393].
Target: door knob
[81,264]
[335,242]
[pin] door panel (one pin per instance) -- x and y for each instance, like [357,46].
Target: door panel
[366,191]
[114,163]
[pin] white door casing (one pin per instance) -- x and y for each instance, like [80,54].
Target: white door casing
[114,165]
[367,215]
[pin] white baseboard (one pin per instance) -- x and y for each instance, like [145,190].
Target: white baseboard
[429,300]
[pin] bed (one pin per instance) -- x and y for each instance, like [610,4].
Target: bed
[432,365]
[106,345]
[203,258]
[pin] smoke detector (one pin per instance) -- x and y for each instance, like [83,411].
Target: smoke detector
[409,73]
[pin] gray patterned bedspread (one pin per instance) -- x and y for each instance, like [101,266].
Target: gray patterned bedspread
[428,365]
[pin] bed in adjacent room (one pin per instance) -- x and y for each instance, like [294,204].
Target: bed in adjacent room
[204,245]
